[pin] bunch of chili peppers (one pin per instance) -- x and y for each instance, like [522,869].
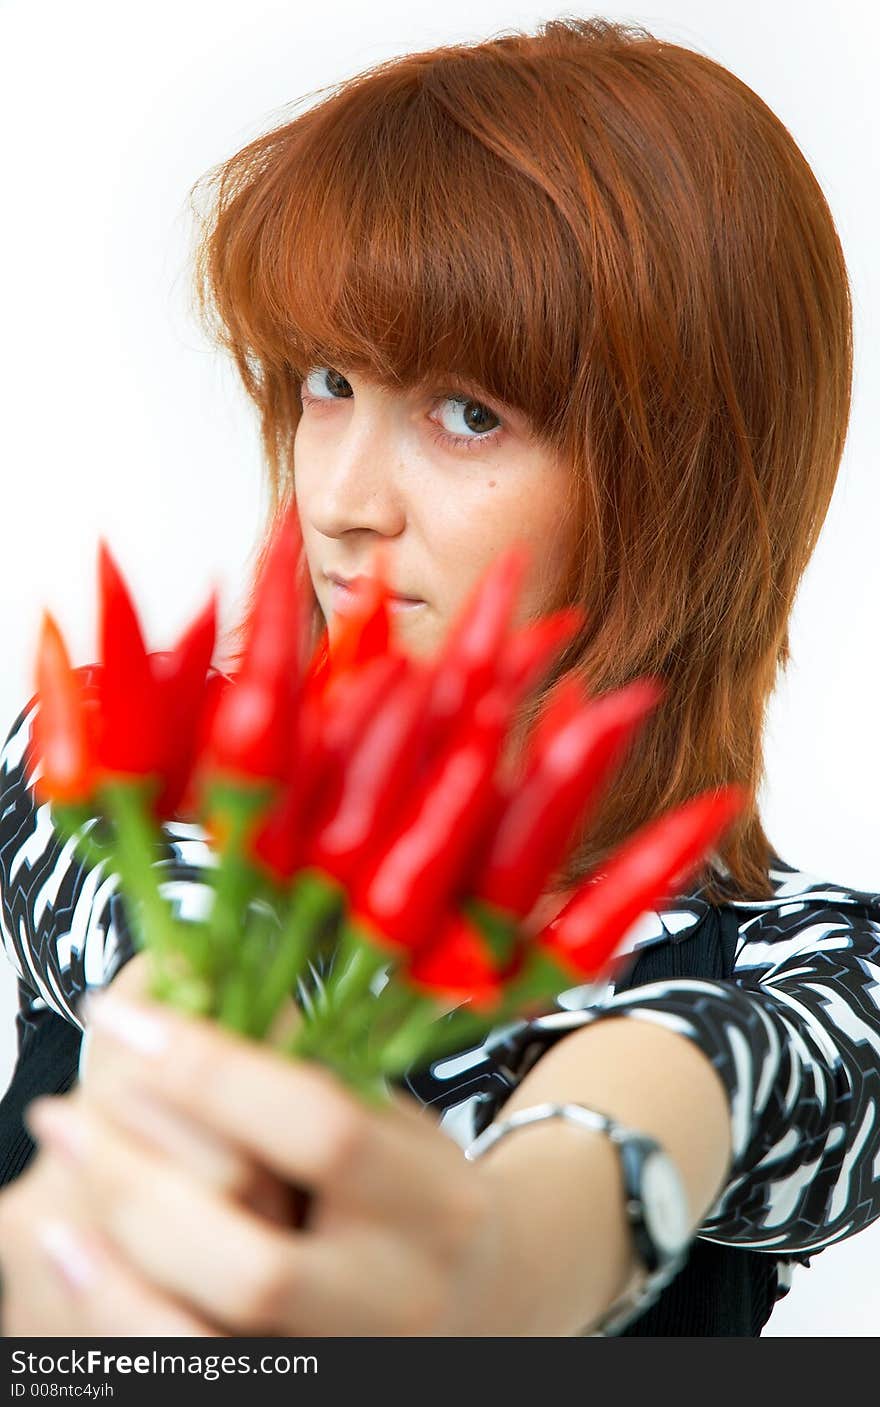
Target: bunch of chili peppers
[358,804]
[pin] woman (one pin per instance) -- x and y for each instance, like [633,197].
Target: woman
[578,287]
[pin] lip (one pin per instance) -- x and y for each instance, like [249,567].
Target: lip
[343,589]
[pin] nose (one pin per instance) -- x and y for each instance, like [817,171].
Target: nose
[357,489]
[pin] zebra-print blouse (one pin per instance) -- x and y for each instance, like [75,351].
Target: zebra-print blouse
[794,1036]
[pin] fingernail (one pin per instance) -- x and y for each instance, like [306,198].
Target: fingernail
[65,1248]
[51,1122]
[114,1016]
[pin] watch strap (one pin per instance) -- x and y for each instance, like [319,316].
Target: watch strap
[656,1268]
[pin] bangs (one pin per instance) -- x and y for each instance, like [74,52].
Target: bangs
[378,233]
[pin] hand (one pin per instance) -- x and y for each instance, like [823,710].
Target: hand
[206,1155]
[402,1237]
[41,1301]
[35,1301]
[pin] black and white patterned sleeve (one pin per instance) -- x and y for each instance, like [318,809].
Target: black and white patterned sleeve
[795,1038]
[63,923]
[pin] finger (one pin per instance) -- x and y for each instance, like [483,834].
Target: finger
[34,1300]
[105,1297]
[356,1279]
[60,1279]
[301,1121]
[210,1159]
[184,1240]
[362,1279]
[207,1155]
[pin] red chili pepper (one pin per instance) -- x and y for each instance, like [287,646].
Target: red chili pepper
[253,729]
[470,660]
[181,678]
[150,704]
[60,737]
[533,647]
[318,668]
[457,963]
[142,714]
[327,737]
[563,703]
[276,843]
[402,892]
[585,934]
[190,804]
[363,631]
[566,771]
[566,701]
[375,781]
[131,726]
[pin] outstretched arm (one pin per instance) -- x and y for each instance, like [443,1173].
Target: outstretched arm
[794,1038]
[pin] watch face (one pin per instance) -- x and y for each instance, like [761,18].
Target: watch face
[664,1202]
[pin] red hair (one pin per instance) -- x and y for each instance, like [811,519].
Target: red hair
[616,235]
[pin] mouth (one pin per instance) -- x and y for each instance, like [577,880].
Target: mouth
[343,596]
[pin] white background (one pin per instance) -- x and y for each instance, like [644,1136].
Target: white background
[117,419]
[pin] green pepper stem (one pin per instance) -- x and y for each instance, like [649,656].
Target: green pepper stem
[313,897]
[541,978]
[370,1024]
[357,962]
[135,843]
[234,878]
[410,1040]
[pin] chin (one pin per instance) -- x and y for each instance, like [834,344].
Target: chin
[417,639]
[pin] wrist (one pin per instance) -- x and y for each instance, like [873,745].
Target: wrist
[565,1247]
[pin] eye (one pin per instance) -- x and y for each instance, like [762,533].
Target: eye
[322,383]
[320,379]
[471,415]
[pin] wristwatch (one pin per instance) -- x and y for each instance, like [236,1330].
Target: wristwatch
[656,1202]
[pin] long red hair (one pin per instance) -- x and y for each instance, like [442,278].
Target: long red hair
[616,235]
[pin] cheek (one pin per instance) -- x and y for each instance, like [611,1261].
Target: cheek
[308,459]
[543,529]
[465,543]
[551,538]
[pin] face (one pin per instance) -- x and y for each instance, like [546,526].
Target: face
[442,481]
